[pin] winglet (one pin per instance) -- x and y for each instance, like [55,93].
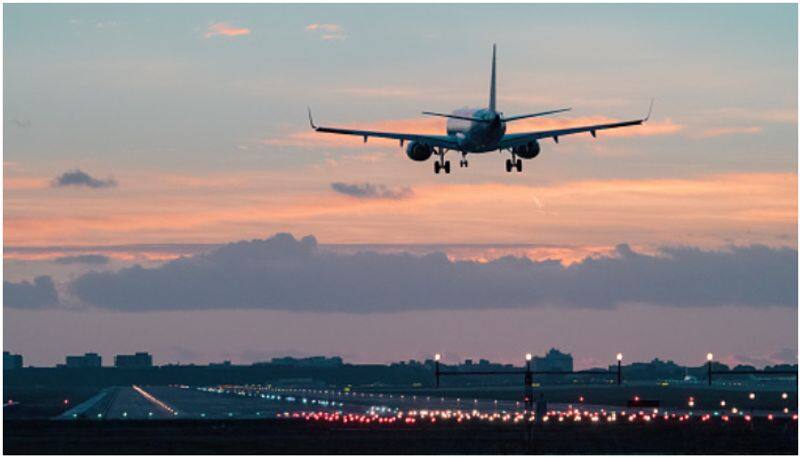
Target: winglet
[649,111]
[493,84]
[311,119]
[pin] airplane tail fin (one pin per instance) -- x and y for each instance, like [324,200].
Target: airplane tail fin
[493,87]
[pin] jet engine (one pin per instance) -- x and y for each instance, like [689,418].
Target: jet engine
[528,151]
[419,152]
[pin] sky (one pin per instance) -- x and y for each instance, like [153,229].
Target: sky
[164,192]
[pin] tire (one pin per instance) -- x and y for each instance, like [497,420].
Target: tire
[508,165]
[436,167]
[447,167]
[519,165]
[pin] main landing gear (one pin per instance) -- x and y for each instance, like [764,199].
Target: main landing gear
[441,164]
[463,162]
[515,163]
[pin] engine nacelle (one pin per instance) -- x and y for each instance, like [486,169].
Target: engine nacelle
[418,152]
[528,151]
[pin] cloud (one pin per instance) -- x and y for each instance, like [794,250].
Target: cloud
[106,24]
[367,190]
[330,28]
[284,273]
[86,259]
[21,123]
[225,29]
[41,293]
[722,131]
[79,178]
[785,355]
[327,31]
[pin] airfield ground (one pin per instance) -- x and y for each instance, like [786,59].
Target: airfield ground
[239,420]
[299,436]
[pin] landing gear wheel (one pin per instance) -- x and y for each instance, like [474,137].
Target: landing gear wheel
[466,164]
[519,165]
[436,167]
[447,167]
[508,165]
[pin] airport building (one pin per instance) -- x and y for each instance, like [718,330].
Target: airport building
[138,360]
[554,360]
[317,361]
[88,360]
[11,361]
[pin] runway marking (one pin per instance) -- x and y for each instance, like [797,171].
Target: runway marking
[154,400]
[82,408]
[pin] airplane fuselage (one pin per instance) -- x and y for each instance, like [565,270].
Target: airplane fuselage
[474,136]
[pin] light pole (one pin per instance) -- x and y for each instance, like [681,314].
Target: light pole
[528,396]
[710,358]
[437,358]
[619,368]
[528,382]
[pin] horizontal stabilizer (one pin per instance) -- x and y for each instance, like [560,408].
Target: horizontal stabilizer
[455,116]
[543,113]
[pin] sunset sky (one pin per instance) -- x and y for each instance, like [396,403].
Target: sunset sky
[137,134]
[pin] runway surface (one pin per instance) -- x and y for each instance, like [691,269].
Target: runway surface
[253,402]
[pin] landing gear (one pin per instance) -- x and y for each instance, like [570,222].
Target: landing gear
[441,164]
[463,162]
[515,163]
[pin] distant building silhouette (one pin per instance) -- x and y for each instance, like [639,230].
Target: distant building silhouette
[554,360]
[138,360]
[11,361]
[88,360]
[317,361]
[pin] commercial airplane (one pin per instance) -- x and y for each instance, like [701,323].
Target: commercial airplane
[476,131]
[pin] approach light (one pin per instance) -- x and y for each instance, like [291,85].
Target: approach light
[710,356]
[437,357]
[784,395]
[619,357]
[752,396]
[528,357]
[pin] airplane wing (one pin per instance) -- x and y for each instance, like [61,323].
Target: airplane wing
[516,139]
[444,141]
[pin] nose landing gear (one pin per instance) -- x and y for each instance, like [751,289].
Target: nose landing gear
[463,162]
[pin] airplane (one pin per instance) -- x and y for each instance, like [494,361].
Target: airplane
[477,131]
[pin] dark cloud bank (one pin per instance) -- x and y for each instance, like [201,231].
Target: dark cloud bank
[41,293]
[78,178]
[367,190]
[288,274]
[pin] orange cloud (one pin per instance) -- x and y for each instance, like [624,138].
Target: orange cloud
[225,29]
[331,28]
[711,210]
[328,31]
[711,133]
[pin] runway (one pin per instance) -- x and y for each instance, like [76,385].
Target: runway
[256,402]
